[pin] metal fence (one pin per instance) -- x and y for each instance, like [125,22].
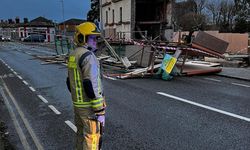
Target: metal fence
[64,45]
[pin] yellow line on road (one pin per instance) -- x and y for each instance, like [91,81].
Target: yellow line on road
[18,128]
[25,121]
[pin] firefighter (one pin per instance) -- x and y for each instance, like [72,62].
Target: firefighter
[84,83]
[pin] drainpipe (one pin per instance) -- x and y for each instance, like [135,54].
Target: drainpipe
[101,19]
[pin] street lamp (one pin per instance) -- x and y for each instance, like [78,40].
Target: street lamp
[64,27]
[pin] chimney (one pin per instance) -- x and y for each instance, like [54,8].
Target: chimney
[10,21]
[25,20]
[17,20]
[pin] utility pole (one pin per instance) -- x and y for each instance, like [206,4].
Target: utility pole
[64,27]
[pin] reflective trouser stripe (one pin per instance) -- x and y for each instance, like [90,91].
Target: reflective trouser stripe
[94,142]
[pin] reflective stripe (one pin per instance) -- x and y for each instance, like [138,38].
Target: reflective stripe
[97,103]
[96,106]
[94,142]
[78,85]
[96,100]
[82,103]
[83,106]
[94,103]
[80,98]
[72,65]
[77,96]
[72,58]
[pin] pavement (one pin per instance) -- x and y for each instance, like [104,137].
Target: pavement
[236,73]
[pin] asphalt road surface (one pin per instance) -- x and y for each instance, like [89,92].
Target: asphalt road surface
[199,112]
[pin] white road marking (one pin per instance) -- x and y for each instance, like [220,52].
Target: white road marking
[205,107]
[107,77]
[16,123]
[54,110]
[243,85]
[32,89]
[20,77]
[15,72]
[211,79]
[71,125]
[42,98]
[25,121]
[26,83]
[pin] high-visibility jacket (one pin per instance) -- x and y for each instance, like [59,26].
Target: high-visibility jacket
[85,80]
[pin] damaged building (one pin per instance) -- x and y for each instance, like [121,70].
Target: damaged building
[130,19]
[138,19]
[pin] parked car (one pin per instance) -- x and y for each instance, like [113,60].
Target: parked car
[5,38]
[34,38]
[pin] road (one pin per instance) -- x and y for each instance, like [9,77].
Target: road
[199,112]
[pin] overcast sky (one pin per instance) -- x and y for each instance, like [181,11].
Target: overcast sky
[51,9]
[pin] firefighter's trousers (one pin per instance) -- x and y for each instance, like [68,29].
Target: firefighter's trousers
[88,133]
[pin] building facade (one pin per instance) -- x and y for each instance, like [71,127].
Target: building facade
[135,19]
[40,25]
[69,26]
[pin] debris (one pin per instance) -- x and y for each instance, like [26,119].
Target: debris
[190,69]
[203,42]
[138,72]
[203,63]
[124,60]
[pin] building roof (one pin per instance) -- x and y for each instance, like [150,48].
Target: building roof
[37,22]
[40,22]
[72,21]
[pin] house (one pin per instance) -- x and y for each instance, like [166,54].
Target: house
[128,19]
[69,25]
[137,19]
[38,25]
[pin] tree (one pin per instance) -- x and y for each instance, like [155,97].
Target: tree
[222,13]
[187,18]
[201,5]
[213,9]
[242,11]
[94,14]
[192,22]
[227,12]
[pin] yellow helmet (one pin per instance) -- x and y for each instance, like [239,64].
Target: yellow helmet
[83,30]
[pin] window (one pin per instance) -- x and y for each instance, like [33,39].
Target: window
[120,14]
[113,14]
[107,17]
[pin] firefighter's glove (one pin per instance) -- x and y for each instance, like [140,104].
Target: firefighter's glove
[101,119]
